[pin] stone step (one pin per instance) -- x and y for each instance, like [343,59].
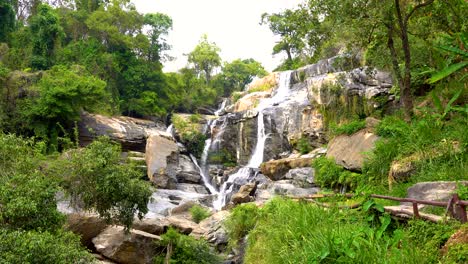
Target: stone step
[136,154]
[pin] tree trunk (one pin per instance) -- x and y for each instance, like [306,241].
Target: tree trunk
[406,95]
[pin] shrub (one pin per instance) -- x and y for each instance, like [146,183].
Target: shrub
[348,128]
[96,179]
[59,247]
[303,145]
[330,175]
[199,213]
[236,96]
[241,221]
[185,249]
[392,126]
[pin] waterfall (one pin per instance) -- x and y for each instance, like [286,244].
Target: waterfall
[241,176]
[205,178]
[170,129]
[282,94]
[221,107]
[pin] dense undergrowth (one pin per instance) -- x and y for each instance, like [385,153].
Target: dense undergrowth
[285,231]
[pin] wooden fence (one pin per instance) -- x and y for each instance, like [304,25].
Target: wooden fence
[455,207]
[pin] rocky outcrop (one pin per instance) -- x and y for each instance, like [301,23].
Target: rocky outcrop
[265,83]
[458,239]
[245,194]
[212,230]
[131,133]
[250,101]
[135,247]
[301,177]
[277,169]
[349,151]
[86,225]
[186,171]
[162,160]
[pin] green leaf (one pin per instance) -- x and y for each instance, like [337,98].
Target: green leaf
[437,102]
[455,50]
[379,208]
[367,205]
[453,99]
[447,71]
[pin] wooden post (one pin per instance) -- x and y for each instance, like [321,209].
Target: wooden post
[415,210]
[460,209]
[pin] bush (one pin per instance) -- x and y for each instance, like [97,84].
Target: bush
[303,145]
[347,128]
[199,213]
[185,249]
[241,221]
[96,179]
[59,247]
[330,175]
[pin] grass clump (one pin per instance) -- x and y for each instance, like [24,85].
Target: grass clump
[347,128]
[199,213]
[330,175]
[241,221]
[179,248]
[303,146]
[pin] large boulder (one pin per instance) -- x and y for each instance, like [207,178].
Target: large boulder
[130,132]
[212,229]
[134,247]
[162,159]
[277,169]
[86,225]
[245,194]
[349,151]
[301,177]
[434,191]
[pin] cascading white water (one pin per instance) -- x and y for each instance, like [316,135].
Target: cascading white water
[282,94]
[170,129]
[206,181]
[221,107]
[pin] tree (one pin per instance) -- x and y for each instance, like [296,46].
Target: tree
[7,21]
[46,34]
[160,25]
[62,94]
[238,73]
[96,179]
[205,57]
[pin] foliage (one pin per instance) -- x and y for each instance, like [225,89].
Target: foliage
[27,196]
[205,57]
[330,175]
[199,213]
[241,221]
[347,128]
[456,47]
[58,247]
[223,157]
[238,73]
[96,179]
[462,191]
[62,94]
[189,133]
[291,232]
[46,34]
[185,249]
[8,22]
[303,145]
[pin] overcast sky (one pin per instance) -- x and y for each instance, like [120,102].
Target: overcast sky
[232,24]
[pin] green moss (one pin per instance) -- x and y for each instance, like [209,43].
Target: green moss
[223,157]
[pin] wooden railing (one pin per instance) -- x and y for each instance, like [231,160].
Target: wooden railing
[454,206]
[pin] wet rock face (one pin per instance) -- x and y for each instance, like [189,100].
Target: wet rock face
[131,133]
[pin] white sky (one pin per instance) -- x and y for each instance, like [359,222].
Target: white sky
[232,24]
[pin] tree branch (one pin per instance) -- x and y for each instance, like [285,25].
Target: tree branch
[416,8]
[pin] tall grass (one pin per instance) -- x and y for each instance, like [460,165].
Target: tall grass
[291,232]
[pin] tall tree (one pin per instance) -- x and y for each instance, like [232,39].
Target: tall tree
[46,34]
[7,21]
[205,57]
[238,73]
[160,24]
